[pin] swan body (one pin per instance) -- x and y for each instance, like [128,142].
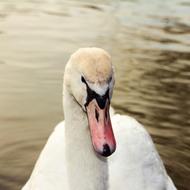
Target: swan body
[76,154]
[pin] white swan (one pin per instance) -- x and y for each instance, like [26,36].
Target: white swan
[74,157]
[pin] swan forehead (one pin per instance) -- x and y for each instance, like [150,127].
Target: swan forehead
[93,63]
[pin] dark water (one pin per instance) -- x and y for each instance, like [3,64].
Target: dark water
[150,44]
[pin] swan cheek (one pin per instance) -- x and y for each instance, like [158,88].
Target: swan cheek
[102,136]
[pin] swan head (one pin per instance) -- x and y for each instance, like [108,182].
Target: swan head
[89,78]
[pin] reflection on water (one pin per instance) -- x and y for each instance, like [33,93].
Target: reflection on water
[150,44]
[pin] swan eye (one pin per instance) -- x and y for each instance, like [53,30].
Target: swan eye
[83,80]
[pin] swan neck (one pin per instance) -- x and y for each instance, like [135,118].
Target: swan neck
[85,170]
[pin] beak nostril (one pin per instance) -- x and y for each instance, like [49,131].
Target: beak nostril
[97,115]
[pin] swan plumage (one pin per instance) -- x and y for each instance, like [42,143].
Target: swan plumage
[70,160]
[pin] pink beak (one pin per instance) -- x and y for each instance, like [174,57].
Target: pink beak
[103,139]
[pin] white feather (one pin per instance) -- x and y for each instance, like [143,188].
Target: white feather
[68,161]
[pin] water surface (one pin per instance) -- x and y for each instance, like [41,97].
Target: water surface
[149,41]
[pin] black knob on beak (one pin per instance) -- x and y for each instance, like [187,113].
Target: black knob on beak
[101,101]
